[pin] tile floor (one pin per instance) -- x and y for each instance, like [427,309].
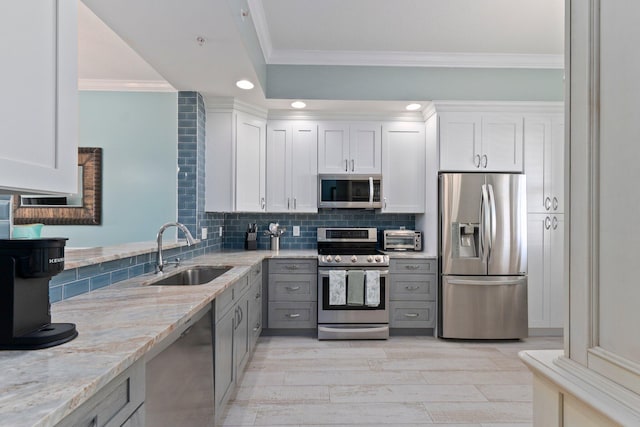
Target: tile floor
[403,382]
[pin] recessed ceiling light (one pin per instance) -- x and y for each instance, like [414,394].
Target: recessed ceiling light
[244,84]
[413,107]
[298,104]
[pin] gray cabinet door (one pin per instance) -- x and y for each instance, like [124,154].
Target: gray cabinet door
[241,335]
[223,355]
[255,313]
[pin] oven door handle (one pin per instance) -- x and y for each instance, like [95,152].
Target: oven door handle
[325,273]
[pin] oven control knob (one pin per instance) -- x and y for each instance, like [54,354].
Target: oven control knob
[369,258]
[354,258]
[338,258]
[378,258]
[329,258]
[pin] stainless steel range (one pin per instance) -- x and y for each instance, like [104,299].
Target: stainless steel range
[353,285]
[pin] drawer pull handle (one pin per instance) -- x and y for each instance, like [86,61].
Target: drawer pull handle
[412,267]
[293,288]
[258,295]
[291,267]
[412,288]
[412,314]
[293,315]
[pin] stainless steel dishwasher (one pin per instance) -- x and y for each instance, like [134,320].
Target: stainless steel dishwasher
[179,379]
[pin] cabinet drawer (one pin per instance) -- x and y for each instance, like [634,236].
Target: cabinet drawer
[112,405]
[411,266]
[292,315]
[293,287]
[419,287]
[296,266]
[412,314]
[226,299]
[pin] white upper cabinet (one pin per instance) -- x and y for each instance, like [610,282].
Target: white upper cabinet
[502,143]
[345,148]
[292,166]
[39,103]
[235,164]
[487,142]
[544,163]
[460,141]
[250,164]
[403,167]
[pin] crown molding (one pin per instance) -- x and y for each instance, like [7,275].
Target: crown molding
[345,115]
[110,85]
[227,104]
[530,107]
[412,59]
[259,19]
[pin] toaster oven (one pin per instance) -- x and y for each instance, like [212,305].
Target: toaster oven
[402,240]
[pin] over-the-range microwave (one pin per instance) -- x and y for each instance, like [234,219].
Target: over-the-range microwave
[350,191]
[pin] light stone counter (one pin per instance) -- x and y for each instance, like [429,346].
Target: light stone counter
[117,326]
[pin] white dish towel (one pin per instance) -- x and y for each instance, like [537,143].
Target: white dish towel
[372,288]
[337,287]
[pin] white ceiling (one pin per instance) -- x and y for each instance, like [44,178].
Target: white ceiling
[349,32]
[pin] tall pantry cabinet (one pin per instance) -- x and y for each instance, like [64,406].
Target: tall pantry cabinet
[39,103]
[544,168]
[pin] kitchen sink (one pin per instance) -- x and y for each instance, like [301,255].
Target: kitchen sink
[193,276]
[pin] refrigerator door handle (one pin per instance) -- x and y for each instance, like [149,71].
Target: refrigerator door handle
[483,282]
[485,243]
[492,217]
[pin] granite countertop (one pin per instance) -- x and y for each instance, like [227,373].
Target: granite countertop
[117,326]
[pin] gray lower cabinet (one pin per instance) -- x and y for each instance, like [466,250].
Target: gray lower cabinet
[412,293]
[238,312]
[293,294]
[117,404]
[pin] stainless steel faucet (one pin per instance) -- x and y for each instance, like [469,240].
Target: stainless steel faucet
[190,241]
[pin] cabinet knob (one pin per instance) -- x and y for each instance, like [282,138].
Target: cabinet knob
[346,165]
[412,288]
[485,161]
[353,165]
[293,315]
[555,203]
[476,160]
[547,223]
[293,288]
[547,203]
[555,223]
[411,314]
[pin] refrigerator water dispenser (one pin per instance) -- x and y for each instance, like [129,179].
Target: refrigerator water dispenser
[465,240]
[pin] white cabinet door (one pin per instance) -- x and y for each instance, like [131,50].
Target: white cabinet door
[292,167]
[39,104]
[544,163]
[365,148]
[502,143]
[460,141]
[537,137]
[250,163]
[403,167]
[304,168]
[556,272]
[333,148]
[345,148]
[278,162]
[545,240]
[555,181]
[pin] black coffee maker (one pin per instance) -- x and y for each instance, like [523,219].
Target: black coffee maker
[25,313]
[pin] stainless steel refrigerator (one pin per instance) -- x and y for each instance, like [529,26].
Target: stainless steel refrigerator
[483,256]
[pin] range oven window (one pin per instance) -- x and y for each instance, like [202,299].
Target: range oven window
[327,307]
